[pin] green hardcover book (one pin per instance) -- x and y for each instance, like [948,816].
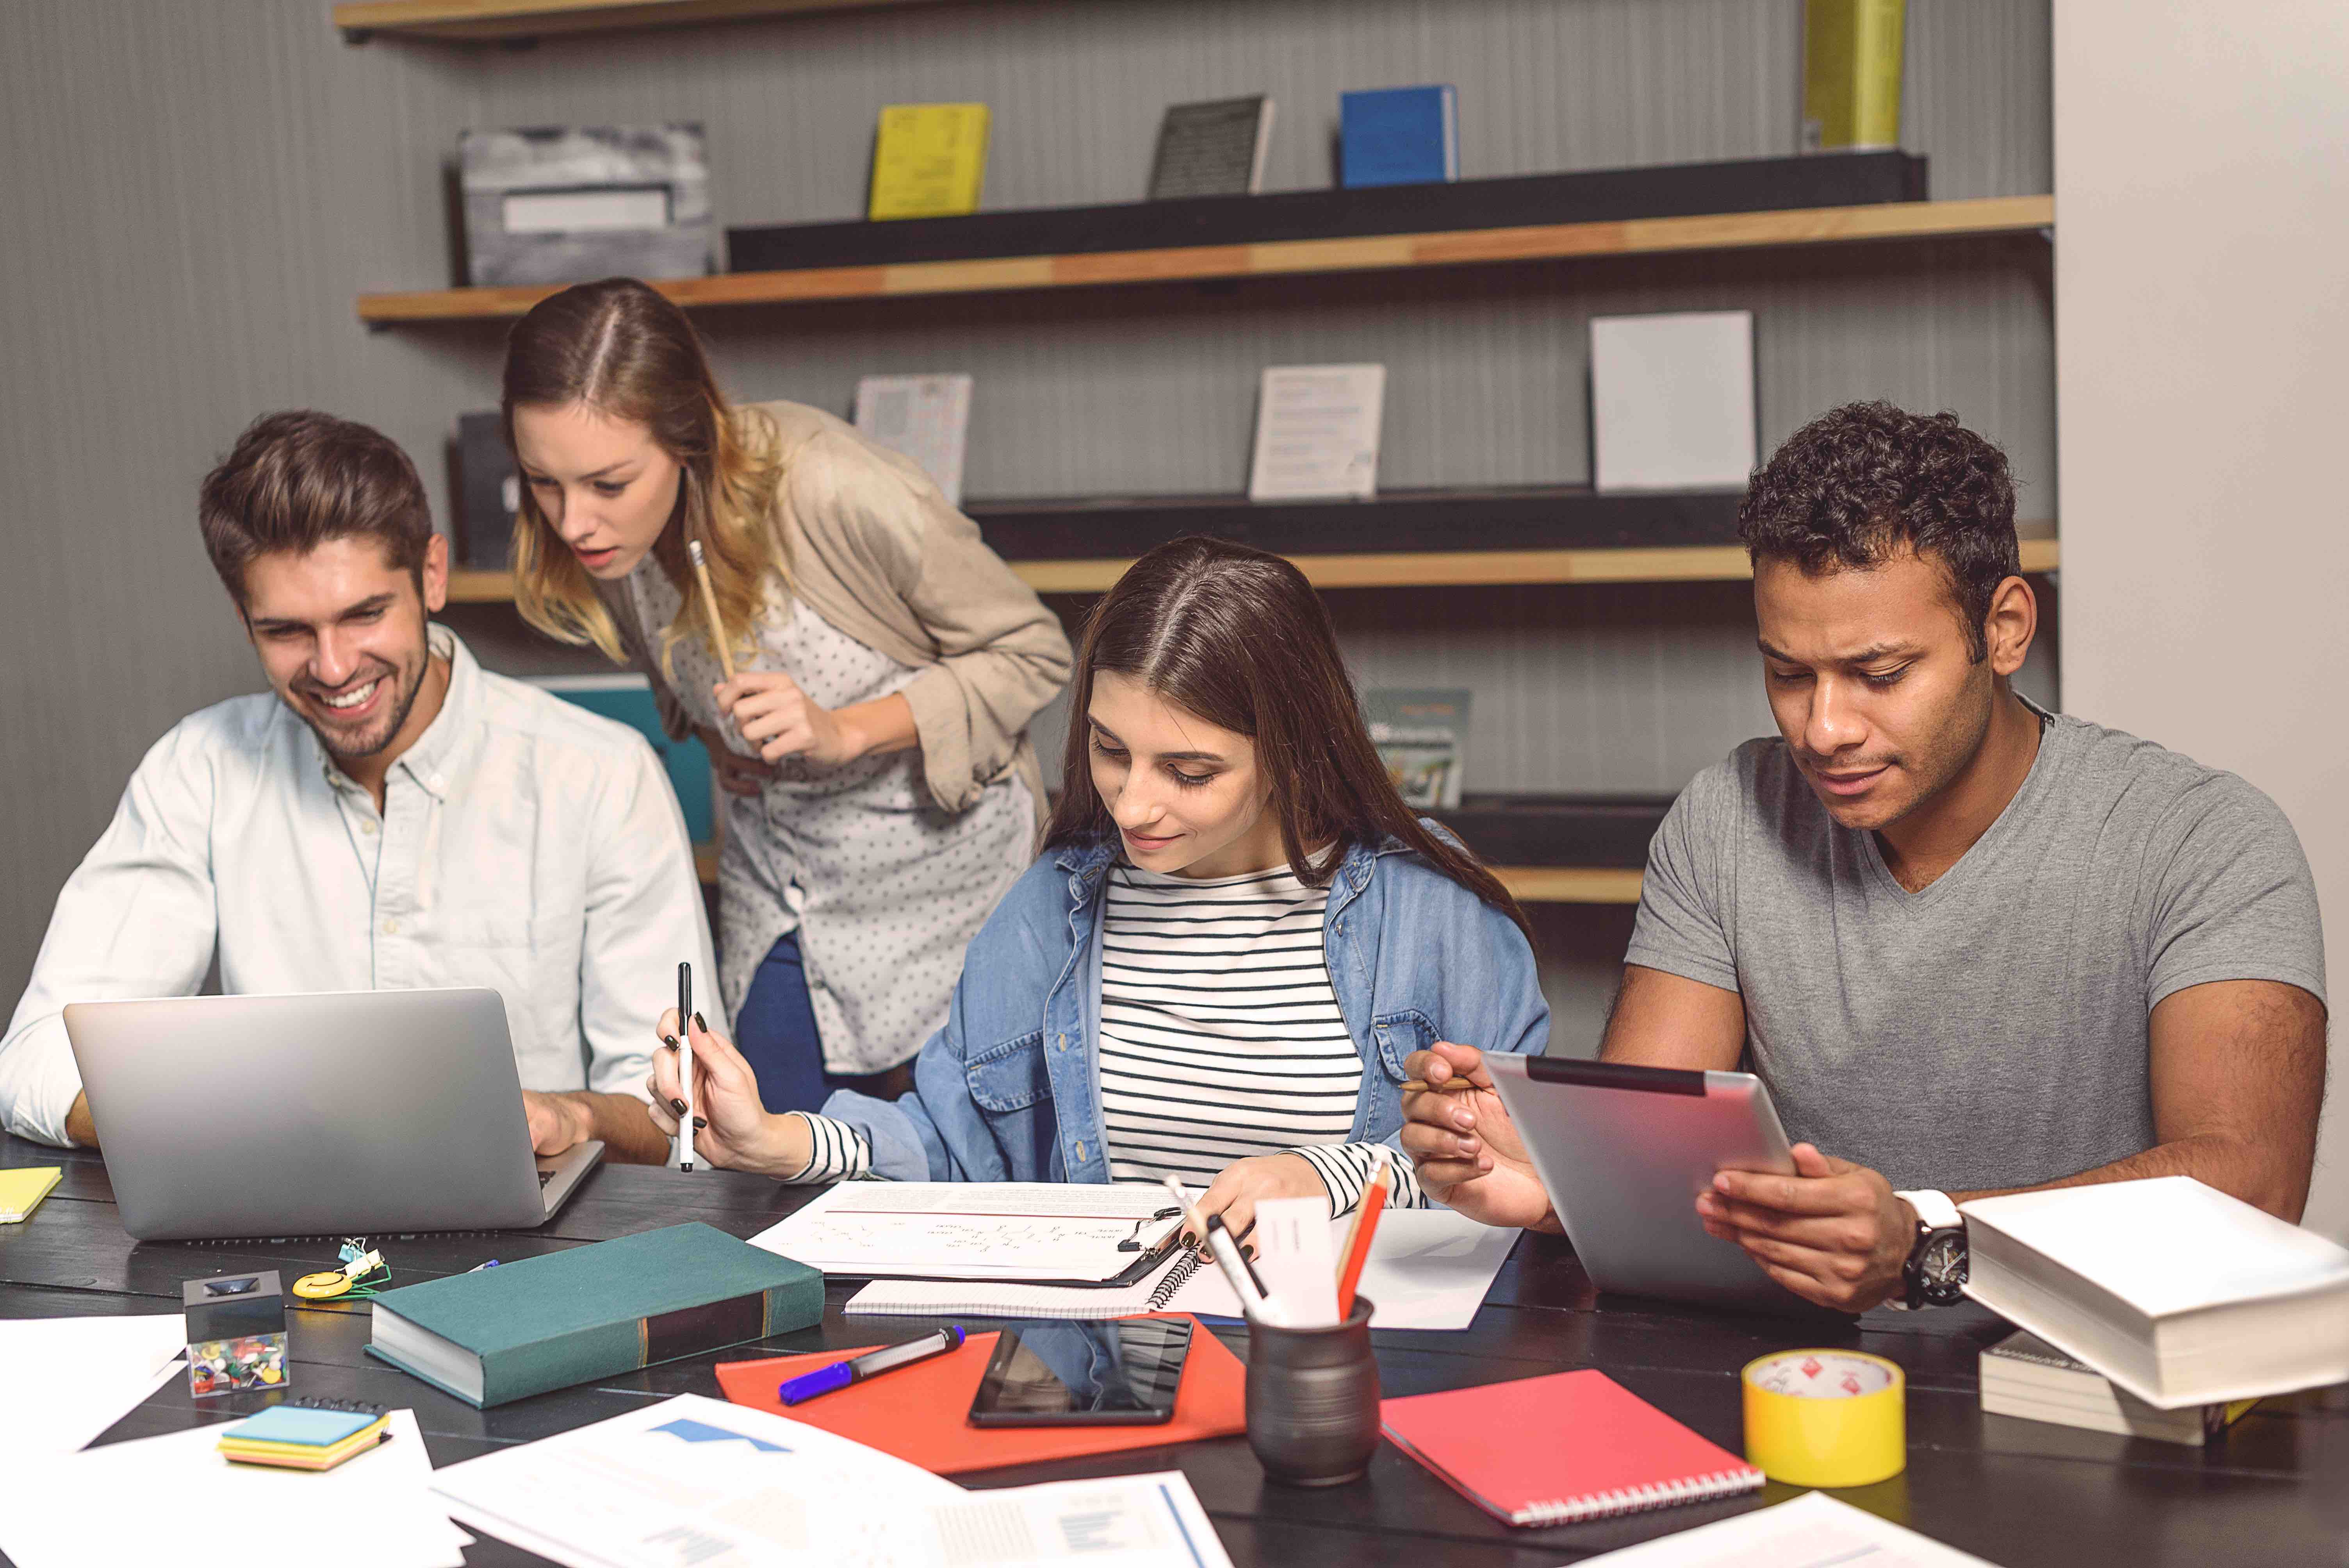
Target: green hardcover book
[522,1328]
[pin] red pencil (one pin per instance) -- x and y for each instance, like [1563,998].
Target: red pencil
[1358,1238]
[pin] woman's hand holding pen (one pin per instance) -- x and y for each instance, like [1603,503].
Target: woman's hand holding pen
[733,1129]
[1467,1149]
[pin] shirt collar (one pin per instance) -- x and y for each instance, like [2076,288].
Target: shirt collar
[442,750]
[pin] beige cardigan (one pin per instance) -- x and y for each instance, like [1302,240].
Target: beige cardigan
[876,550]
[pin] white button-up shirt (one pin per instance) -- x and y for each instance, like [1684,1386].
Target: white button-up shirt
[525,844]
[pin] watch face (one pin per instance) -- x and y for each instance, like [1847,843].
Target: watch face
[1943,1264]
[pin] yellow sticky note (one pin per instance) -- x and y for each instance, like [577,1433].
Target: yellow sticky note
[930,161]
[22,1189]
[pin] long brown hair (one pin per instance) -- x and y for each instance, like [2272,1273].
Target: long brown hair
[1240,639]
[623,350]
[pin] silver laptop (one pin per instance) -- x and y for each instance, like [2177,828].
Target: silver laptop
[1624,1151]
[344,1113]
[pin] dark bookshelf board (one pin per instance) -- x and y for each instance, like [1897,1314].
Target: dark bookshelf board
[1558,518]
[1596,196]
[1610,830]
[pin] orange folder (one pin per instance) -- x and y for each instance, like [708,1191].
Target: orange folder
[917,1412]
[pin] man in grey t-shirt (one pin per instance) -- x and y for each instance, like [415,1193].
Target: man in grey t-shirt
[1970,945]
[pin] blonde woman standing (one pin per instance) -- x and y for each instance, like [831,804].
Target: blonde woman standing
[880,791]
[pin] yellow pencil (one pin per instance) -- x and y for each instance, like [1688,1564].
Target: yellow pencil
[710,607]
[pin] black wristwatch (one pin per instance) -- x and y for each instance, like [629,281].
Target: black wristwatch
[1935,1274]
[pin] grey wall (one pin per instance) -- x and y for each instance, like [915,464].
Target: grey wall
[2201,424]
[196,193]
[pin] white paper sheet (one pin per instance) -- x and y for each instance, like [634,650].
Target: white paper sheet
[926,417]
[1429,1268]
[1118,1522]
[80,1516]
[969,1230]
[1296,1259]
[1316,432]
[70,1378]
[1814,1531]
[693,1479]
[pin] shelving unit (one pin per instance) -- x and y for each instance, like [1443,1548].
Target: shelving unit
[492,21]
[1416,569]
[1289,258]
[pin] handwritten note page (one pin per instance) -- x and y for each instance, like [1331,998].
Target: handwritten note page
[972,1229]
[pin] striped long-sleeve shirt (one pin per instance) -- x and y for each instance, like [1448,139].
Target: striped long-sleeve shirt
[1220,1038]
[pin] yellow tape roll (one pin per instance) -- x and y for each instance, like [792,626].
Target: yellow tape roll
[1826,1418]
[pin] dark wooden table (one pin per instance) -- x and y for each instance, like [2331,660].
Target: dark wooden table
[2275,1490]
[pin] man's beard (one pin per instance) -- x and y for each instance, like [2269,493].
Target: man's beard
[407,686]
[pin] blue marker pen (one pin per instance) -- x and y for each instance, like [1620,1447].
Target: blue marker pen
[841,1374]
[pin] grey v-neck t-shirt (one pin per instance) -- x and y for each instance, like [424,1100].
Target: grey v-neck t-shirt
[1991,1030]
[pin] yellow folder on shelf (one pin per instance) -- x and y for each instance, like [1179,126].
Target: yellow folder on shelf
[1851,74]
[928,160]
[22,1189]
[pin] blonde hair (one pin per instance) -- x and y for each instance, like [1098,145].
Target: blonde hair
[623,350]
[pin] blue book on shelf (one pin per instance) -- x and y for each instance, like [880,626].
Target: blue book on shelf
[630,699]
[1399,136]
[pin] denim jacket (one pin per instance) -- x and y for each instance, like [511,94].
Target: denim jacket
[1009,1089]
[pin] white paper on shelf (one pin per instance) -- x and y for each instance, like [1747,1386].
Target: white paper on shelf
[693,1479]
[1316,432]
[1117,1521]
[81,1518]
[925,418]
[70,1378]
[971,1230]
[1672,400]
[1814,1531]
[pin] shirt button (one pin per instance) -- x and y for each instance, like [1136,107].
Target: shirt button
[1081,1152]
[368,828]
[391,928]
[436,782]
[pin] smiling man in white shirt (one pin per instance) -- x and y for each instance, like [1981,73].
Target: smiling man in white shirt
[390,815]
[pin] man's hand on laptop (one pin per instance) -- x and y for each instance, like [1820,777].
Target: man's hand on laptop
[557,1122]
[1465,1148]
[1832,1233]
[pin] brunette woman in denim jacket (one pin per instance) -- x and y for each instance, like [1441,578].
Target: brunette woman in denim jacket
[1236,935]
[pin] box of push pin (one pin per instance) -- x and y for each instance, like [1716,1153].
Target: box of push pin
[236,1332]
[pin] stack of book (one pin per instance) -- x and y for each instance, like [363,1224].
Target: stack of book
[2024,1376]
[2177,1296]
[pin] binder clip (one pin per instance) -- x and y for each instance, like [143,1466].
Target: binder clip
[361,1263]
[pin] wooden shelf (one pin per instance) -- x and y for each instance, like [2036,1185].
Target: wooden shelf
[487,21]
[1570,884]
[1627,237]
[1431,569]
[1527,884]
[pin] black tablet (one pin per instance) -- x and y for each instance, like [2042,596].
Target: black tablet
[1084,1374]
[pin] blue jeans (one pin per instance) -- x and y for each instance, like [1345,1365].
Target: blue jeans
[775,1031]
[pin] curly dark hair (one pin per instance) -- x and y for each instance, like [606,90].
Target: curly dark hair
[1862,483]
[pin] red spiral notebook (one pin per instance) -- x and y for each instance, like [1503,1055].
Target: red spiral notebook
[1556,1449]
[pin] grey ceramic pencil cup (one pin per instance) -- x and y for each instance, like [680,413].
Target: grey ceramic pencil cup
[1313,1400]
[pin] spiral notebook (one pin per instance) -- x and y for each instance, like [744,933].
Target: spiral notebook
[1009,1298]
[1562,1448]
